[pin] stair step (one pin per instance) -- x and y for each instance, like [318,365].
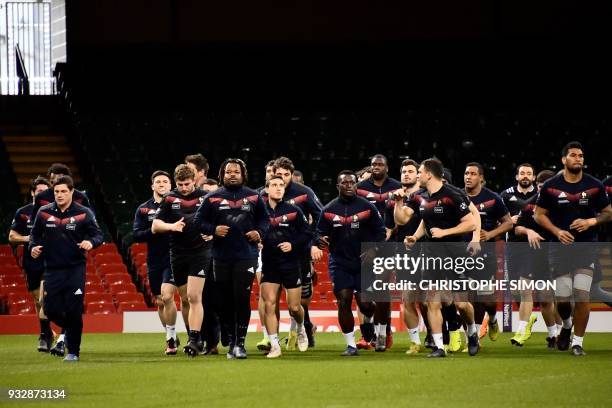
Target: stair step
[33,168]
[34,139]
[37,149]
[17,159]
[26,178]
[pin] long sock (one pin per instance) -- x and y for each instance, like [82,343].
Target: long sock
[307,323]
[45,327]
[62,337]
[559,327]
[265,333]
[450,316]
[521,327]
[194,335]
[367,331]
[274,340]
[552,331]
[473,328]
[492,317]
[350,339]
[567,323]
[414,335]
[170,332]
[577,341]
[477,327]
[300,326]
[381,330]
[437,337]
[445,333]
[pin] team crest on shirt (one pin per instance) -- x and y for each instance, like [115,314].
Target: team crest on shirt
[245,205]
[438,209]
[71,226]
[355,222]
[584,198]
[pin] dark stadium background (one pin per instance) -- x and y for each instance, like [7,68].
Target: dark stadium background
[326,83]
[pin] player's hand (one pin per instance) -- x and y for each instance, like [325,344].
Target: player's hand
[534,239]
[36,251]
[437,233]
[253,236]
[514,219]
[399,194]
[324,242]
[581,225]
[221,230]
[474,248]
[315,253]
[565,237]
[179,225]
[86,245]
[410,240]
[206,238]
[484,235]
[285,246]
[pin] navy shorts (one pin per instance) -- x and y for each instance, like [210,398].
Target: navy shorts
[566,259]
[344,278]
[526,262]
[289,278]
[158,276]
[33,278]
[196,265]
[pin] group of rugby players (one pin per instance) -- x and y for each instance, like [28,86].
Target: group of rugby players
[210,240]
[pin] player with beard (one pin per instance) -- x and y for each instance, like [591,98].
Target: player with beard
[495,222]
[238,218]
[345,223]
[528,260]
[445,218]
[515,197]
[19,234]
[376,190]
[409,190]
[190,251]
[158,258]
[569,206]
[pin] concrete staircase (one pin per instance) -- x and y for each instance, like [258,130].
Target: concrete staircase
[30,156]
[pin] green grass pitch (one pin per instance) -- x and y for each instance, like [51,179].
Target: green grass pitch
[130,370]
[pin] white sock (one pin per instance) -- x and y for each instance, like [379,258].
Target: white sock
[552,331]
[61,338]
[522,326]
[381,329]
[559,327]
[438,340]
[492,319]
[293,325]
[414,335]
[350,339]
[367,319]
[170,332]
[473,328]
[265,332]
[274,340]
[300,327]
[577,341]
[567,323]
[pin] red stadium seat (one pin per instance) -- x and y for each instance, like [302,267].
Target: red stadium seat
[107,258]
[10,270]
[132,306]
[91,268]
[105,269]
[8,260]
[122,288]
[6,250]
[98,297]
[100,308]
[129,297]
[93,278]
[13,280]
[138,248]
[22,308]
[93,288]
[114,278]
[139,259]
[106,248]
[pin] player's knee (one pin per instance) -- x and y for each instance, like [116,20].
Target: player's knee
[563,286]
[294,309]
[194,298]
